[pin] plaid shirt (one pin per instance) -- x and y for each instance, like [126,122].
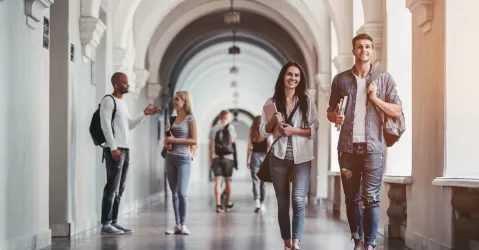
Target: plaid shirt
[344,84]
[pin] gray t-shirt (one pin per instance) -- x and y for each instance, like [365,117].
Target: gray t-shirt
[212,136]
[182,131]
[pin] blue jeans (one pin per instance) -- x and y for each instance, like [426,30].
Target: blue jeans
[361,175]
[178,175]
[259,187]
[284,172]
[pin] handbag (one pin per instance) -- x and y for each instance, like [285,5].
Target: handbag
[263,172]
[393,128]
[164,151]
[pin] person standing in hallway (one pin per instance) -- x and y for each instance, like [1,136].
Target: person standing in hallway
[221,155]
[180,145]
[361,142]
[258,146]
[116,151]
[292,154]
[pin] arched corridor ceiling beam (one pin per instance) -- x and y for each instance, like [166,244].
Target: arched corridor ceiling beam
[280,12]
[253,61]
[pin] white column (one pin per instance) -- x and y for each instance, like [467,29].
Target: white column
[399,65]
[462,89]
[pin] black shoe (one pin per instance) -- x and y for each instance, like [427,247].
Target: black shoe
[229,206]
[219,208]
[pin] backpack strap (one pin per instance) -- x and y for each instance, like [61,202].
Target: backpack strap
[374,76]
[113,115]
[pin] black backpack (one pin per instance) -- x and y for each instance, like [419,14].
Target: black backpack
[95,125]
[223,145]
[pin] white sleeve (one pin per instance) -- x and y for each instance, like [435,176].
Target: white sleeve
[106,112]
[132,123]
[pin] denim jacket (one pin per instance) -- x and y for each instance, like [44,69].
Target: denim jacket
[303,147]
[344,84]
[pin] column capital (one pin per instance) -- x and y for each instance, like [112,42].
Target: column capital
[154,91]
[120,57]
[324,83]
[343,62]
[34,10]
[91,31]
[141,77]
[424,9]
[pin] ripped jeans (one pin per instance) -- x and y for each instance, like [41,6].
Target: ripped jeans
[361,175]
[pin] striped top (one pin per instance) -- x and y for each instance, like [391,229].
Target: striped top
[181,131]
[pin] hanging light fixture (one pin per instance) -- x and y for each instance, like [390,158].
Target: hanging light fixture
[232,17]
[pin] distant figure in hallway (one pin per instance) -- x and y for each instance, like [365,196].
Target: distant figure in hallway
[292,154]
[361,142]
[258,146]
[221,155]
[181,145]
[116,151]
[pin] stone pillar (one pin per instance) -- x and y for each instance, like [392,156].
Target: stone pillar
[429,214]
[60,186]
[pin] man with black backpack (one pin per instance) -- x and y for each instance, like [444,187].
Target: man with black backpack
[371,121]
[222,155]
[115,123]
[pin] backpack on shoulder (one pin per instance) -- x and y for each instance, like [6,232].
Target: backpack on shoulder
[393,128]
[223,144]
[95,125]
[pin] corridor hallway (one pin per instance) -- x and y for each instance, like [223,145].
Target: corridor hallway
[236,230]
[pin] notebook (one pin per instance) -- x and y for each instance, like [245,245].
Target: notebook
[269,110]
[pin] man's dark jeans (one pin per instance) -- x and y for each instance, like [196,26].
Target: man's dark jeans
[369,167]
[116,173]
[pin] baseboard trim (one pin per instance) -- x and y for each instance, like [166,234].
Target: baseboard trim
[35,241]
[415,241]
[67,229]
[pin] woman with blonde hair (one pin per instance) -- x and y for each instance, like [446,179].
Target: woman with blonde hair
[181,144]
[258,146]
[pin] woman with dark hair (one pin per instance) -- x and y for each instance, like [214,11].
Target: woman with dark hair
[258,146]
[291,155]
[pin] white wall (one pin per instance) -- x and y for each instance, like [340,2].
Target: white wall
[399,64]
[334,165]
[462,121]
[80,185]
[24,73]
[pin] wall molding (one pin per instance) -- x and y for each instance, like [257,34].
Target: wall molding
[424,9]
[34,11]
[407,180]
[456,182]
[91,32]
[35,241]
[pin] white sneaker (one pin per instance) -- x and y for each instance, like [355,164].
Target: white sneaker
[176,230]
[184,230]
[263,207]
[110,230]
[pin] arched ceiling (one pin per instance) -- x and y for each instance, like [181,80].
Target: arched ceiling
[211,29]
[289,16]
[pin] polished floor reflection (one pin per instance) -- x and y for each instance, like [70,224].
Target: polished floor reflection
[235,230]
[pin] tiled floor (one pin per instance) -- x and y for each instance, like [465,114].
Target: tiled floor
[235,230]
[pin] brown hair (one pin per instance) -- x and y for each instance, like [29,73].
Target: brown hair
[224,113]
[362,36]
[254,133]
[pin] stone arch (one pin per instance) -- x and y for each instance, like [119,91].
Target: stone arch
[283,13]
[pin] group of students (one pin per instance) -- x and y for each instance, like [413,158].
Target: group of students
[293,127]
